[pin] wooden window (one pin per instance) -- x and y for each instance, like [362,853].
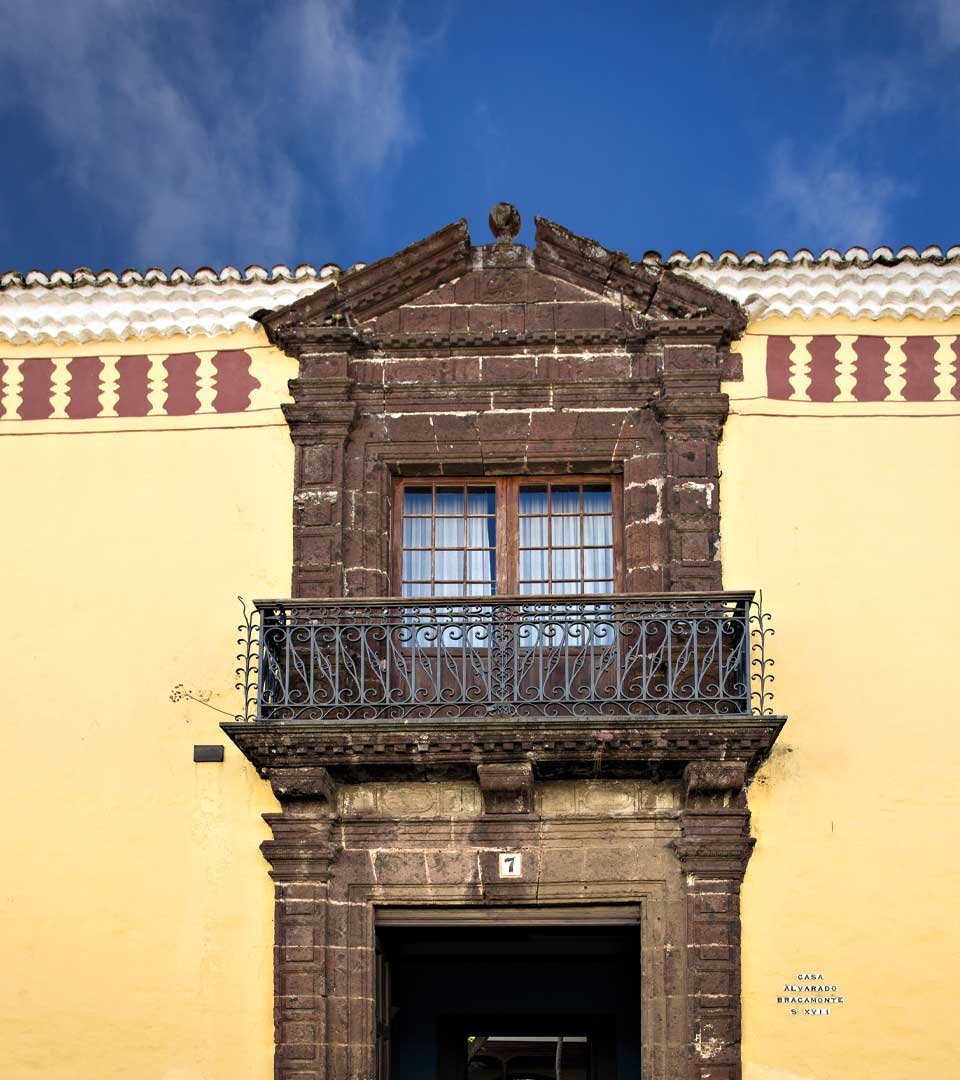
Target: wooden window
[508,536]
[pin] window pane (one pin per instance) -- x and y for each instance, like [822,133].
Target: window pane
[448,589]
[481,532]
[566,587]
[481,501]
[450,501]
[534,588]
[416,566]
[533,532]
[566,499]
[533,499]
[415,589]
[417,500]
[597,499]
[533,565]
[598,586]
[566,531]
[598,531]
[448,566]
[449,533]
[598,563]
[566,564]
[416,532]
[481,565]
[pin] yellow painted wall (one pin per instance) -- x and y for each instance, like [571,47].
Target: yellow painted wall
[849,521]
[136,937]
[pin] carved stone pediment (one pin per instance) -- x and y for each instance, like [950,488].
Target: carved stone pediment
[567,288]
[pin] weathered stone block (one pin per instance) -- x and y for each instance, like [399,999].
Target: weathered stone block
[506,788]
[562,865]
[298,1040]
[510,369]
[644,544]
[689,459]
[581,316]
[317,464]
[401,867]
[709,903]
[408,800]
[485,320]
[424,320]
[540,318]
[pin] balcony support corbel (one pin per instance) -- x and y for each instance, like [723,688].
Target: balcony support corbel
[506,788]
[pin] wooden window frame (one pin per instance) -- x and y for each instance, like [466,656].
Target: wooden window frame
[507,535]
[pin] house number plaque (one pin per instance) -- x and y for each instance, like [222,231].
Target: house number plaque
[510,864]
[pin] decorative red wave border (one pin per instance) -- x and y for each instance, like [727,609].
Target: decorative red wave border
[139,385]
[863,368]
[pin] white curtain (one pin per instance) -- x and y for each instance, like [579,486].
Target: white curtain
[481,554]
[534,576]
[459,557]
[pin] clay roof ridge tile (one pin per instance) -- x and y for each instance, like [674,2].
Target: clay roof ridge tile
[255,273]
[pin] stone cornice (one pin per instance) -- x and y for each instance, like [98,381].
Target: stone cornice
[589,746]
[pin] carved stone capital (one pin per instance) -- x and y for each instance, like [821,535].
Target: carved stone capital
[310,423]
[717,856]
[715,820]
[302,848]
[700,416]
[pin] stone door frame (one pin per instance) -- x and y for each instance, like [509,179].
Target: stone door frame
[333,874]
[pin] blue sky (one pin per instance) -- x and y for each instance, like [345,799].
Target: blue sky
[157,133]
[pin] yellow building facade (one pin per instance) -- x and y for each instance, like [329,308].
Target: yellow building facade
[148,479]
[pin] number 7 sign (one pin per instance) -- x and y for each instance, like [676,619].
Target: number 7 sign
[510,864]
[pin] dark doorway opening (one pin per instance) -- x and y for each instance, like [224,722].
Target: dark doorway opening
[509,1002]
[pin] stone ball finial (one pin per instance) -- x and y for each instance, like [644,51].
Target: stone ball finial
[504,222]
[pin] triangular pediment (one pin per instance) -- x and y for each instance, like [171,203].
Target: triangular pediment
[444,291]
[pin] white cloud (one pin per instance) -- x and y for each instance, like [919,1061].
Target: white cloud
[824,200]
[873,88]
[748,20]
[945,18]
[200,144]
[350,84]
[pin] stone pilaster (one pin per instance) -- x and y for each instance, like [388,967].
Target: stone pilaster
[320,420]
[692,411]
[714,848]
[300,857]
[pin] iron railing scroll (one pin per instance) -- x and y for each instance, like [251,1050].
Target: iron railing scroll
[548,656]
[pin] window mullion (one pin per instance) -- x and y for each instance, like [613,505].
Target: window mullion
[506,527]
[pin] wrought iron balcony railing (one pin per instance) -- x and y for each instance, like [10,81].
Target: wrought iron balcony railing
[551,656]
